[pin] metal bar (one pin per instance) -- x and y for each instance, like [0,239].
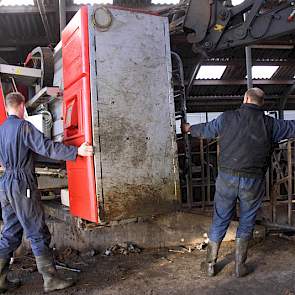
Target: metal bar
[267,181]
[62,15]
[208,177]
[60,265]
[290,197]
[249,67]
[193,153]
[14,84]
[283,100]
[19,9]
[188,160]
[288,62]
[274,193]
[208,169]
[199,204]
[192,78]
[293,171]
[283,180]
[202,172]
[45,95]
[44,18]
[279,171]
[32,41]
[231,98]
[20,71]
[278,226]
[272,46]
[281,114]
[205,82]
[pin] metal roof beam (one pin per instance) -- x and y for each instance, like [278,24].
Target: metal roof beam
[241,82]
[21,9]
[24,42]
[222,103]
[33,9]
[241,61]
[219,99]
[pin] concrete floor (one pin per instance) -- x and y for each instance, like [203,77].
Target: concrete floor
[162,272]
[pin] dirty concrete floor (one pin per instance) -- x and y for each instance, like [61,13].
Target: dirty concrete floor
[163,272]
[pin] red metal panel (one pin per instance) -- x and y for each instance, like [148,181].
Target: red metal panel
[3,114]
[77,115]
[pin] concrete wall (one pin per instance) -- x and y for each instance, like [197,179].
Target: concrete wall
[173,229]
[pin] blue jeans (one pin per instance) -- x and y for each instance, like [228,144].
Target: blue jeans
[229,189]
[21,214]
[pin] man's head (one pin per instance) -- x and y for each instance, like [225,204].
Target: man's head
[255,96]
[15,104]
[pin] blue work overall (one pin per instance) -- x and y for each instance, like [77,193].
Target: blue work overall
[20,199]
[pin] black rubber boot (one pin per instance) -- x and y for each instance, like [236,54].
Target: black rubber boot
[5,284]
[241,269]
[46,268]
[208,266]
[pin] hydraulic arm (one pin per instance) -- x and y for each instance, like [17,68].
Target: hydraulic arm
[215,25]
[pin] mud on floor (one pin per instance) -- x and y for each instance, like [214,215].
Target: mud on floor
[160,272]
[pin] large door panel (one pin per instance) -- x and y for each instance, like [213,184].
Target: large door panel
[136,136]
[77,115]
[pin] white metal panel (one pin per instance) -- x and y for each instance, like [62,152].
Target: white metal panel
[56,107]
[58,73]
[289,115]
[37,121]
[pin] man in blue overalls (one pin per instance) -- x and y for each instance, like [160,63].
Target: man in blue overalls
[246,138]
[22,210]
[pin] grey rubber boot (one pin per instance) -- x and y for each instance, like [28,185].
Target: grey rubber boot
[241,269]
[46,268]
[4,283]
[208,266]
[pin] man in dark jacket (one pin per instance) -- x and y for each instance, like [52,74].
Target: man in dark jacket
[22,210]
[246,137]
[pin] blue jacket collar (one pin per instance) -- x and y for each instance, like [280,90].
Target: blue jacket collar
[251,106]
[13,117]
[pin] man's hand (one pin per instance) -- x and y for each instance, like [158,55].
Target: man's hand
[85,150]
[185,128]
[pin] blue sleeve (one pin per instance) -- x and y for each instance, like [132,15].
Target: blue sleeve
[208,130]
[283,129]
[38,143]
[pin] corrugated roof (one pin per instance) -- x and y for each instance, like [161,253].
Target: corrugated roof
[16,2]
[21,28]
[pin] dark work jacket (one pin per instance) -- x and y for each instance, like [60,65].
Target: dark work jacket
[246,138]
[19,140]
[246,141]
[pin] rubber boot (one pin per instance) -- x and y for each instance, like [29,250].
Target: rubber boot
[241,269]
[208,266]
[5,284]
[46,268]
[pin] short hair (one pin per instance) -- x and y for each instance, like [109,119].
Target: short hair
[256,95]
[14,99]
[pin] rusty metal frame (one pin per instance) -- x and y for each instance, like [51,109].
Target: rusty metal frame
[282,185]
[204,157]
